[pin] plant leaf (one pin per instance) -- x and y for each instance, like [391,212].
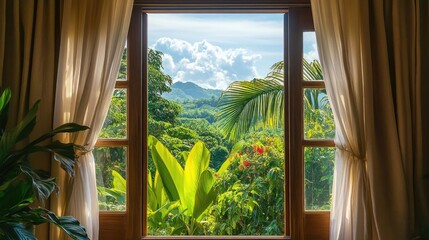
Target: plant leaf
[170,170]
[119,182]
[4,109]
[15,195]
[65,128]
[159,190]
[151,199]
[10,231]
[198,161]
[235,149]
[11,137]
[67,223]
[244,104]
[42,187]
[205,193]
[65,154]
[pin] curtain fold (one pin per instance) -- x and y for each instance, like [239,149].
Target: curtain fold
[93,35]
[28,67]
[370,53]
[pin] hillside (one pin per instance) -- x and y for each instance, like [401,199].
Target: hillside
[190,91]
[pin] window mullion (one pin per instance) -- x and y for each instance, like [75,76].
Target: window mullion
[112,143]
[318,143]
[313,84]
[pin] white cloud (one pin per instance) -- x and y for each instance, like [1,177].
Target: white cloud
[310,46]
[205,64]
[313,54]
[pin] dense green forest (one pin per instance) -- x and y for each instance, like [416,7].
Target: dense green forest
[235,183]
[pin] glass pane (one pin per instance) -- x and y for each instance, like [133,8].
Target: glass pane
[318,116]
[193,60]
[115,124]
[122,74]
[110,168]
[319,174]
[311,63]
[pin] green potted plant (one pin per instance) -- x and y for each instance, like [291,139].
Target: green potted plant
[21,185]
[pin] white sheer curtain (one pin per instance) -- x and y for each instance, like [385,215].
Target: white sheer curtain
[370,52]
[93,35]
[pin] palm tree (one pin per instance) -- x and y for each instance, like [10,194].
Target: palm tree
[259,103]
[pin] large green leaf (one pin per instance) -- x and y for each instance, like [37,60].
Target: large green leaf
[118,191]
[4,108]
[67,223]
[235,149]
[159,190]
[65,128]
[157,197]
[11,137]
[42,186]
[15,231]
[152,202]
[15,195]
[40,215]
[170,170]
[198,161]
[63,153]
[119,182]
[205,194]
[243,105]
[260,103]
[312,70]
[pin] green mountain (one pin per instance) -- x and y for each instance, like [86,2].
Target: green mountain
[190,91]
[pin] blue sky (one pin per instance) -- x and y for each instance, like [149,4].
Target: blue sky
[213,50]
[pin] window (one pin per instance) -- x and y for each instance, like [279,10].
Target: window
[204,59]
[303,215]
[110,151]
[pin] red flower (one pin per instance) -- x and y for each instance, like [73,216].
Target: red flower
[246,163]
[260,150]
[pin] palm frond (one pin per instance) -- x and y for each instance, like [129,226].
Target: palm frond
[258,103]
[312,71]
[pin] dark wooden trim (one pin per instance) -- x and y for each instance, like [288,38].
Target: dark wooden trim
[112,226]
[287,193]
[295,126]
[318,143]
[112,142]
[144,133]
[121,84]
[317,225]
[135,122]
[313,84]
[217,3]
[216,238]
[209,9]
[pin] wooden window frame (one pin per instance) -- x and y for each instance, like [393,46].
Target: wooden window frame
[299,224]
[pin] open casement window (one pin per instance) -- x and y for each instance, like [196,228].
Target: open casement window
[306,150]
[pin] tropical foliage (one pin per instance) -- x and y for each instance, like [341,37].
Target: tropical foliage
[252,190]
[189,190]
[113,198]
[21,186]
[259,104]
[232,190]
